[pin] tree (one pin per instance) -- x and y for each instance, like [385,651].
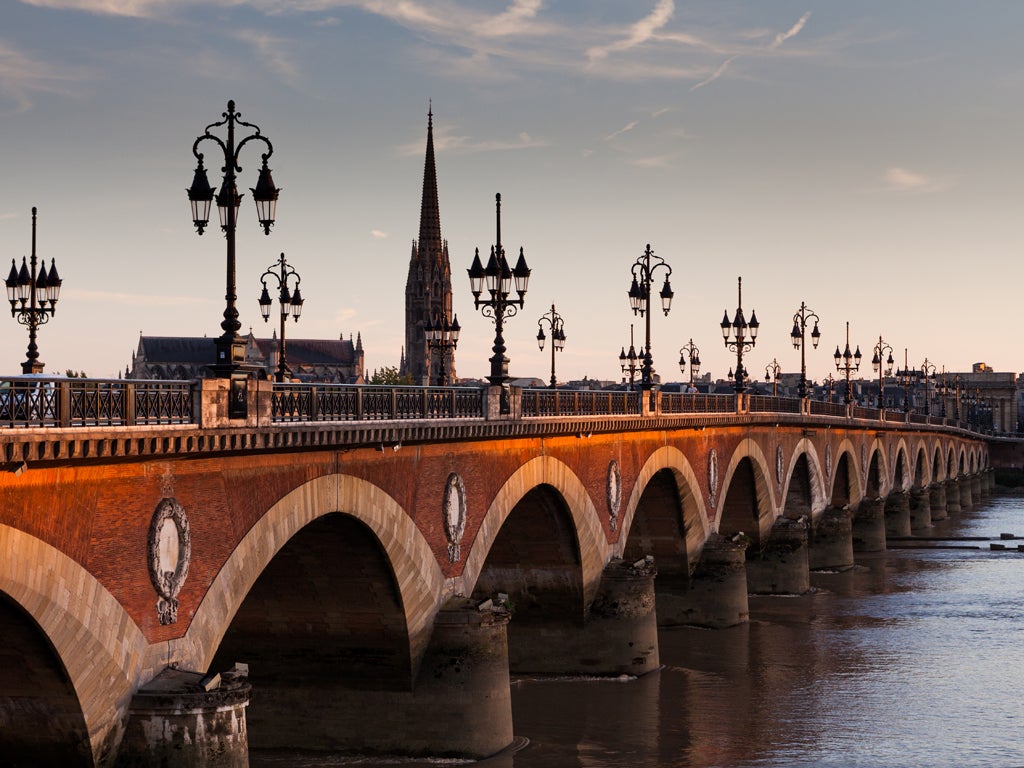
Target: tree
[388,376]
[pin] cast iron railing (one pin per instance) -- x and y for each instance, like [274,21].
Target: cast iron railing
[32,401]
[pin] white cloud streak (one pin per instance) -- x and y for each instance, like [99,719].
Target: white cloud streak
[639,33]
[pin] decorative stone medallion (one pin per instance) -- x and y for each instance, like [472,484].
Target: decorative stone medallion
[712,476]
[778,465]
[170,551]
[613,493]
[453,507]
[864,457]
[828,460]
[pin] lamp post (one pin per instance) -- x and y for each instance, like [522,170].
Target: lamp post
[628,362]
[691,353]
[498,278]
[904,376]
[557,326]
[640,302]
[883,367]
[231,346]
[773,368]
[831,383]
[443,336]
[799,337]
[740,329]
[33,296]
[927,372]
[290,301]
[846,363]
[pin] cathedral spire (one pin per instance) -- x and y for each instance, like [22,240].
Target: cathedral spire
[430,247]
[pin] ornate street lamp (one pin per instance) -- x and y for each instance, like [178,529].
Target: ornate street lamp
[290,301]
[443,336]
[905,376]
[799,338]
[690,351]
[927,372]
[831,384]
[740,330]
[847,363]
[628,361]
[231,346]
[33,296]
[498,278]
[883,367]
[773,368]
[557,326]
[640,302]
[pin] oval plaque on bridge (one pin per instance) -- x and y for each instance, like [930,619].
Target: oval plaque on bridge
[613,493]
[170,550]
[454,508]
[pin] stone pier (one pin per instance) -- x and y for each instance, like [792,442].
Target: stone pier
[780,566]
[715,595]
[976,487]
[618,636]
[952,487]
[937,500]
[966,498]
[869,526]
[897,514]
[831,541]
[920,509]
[185,719]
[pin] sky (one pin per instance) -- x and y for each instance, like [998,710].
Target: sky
[863,158]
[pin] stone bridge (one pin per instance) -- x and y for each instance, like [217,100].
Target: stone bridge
[373,562]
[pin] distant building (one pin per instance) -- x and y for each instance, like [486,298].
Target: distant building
[336,361]
[428,287]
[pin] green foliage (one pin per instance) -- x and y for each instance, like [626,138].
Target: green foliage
[388,376]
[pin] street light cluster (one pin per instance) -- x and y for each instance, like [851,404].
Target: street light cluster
[33,296]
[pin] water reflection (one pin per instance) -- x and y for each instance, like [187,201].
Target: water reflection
[913,658]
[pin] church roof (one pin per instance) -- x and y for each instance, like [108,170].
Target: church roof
[201,350]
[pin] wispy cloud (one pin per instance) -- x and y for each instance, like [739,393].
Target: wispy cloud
[21,76]
[445,142]
[791,32]
[638,33]
[378,234]
[134,8]
[777,41]
[904,180]
[624,129]
[273,53]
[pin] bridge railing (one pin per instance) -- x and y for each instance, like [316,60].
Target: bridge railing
[350,402]
[574,402]
[821,408]
[34,401]
[695,402]
[773,404]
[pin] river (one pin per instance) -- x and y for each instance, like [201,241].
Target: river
[913,658]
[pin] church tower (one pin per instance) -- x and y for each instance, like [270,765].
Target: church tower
[428,288]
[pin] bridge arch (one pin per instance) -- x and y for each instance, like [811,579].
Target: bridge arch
[902,470]
[804,467]
[937,465]
[692,511]
[414,567]
[92,636]
[594,550]
[746,501]
[846,487]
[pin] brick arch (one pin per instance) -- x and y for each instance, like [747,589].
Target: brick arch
[902,453]
[414,565]
[922,469]
[544,470]
[691,499]
[816,472]
[878,448]
[951,465]
[766,510]
[961,461]
[857,473]
[99,645]
[938,466]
